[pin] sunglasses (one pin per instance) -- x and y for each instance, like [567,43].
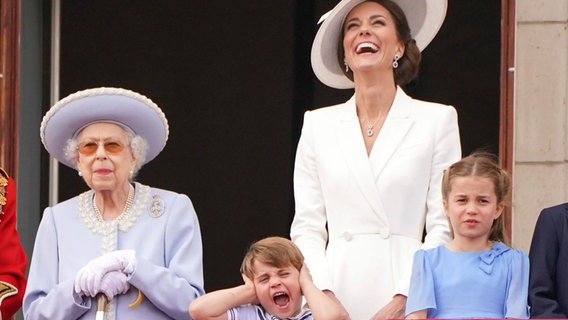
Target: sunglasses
[90,147]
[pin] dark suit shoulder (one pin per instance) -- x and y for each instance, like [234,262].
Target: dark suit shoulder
[556,211]
[552,221]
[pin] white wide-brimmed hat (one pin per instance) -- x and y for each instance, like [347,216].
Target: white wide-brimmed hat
[425,17]
[129,109]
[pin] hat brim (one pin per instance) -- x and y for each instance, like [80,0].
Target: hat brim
[425,18]
[124,107]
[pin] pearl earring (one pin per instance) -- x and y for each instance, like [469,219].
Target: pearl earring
[80,173]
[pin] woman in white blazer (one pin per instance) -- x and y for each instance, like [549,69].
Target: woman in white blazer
[368,171]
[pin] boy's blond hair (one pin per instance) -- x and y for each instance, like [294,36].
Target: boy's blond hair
[275,251]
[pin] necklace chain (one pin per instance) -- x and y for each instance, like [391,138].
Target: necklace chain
[126,208]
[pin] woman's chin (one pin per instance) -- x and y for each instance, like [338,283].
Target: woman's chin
[102,184]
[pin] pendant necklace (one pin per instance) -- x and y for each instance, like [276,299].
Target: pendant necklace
[370,131]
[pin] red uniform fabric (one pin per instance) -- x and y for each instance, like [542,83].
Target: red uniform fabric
[13,259]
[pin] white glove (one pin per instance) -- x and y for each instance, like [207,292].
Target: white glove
[88,279]
[113,283]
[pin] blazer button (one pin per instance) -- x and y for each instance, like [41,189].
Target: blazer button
[347,236]
[385,233]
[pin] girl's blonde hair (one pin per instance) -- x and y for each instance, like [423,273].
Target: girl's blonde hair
[484,165]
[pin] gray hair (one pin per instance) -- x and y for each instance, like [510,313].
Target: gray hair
[138,146]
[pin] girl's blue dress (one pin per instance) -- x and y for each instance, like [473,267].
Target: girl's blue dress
[485,284]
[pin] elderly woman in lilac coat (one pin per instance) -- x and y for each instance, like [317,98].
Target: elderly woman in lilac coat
[129,250]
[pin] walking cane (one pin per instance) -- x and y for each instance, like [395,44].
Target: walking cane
[101,306]
[102,303]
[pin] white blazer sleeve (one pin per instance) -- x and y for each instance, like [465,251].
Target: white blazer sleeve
[308,229]
[447,151]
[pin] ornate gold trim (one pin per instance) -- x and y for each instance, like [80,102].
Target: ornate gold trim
[3,184]
[6,290]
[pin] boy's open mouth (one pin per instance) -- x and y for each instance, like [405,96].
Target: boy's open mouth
[281,299]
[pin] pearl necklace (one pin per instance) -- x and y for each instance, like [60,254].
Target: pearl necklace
[125,210]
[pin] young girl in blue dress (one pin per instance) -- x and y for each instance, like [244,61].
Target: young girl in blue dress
[476,274]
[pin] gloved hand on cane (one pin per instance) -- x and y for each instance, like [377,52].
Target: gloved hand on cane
[89,279]
[113,283]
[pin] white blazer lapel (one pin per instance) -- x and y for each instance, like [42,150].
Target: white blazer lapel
[395,128]
[350,141]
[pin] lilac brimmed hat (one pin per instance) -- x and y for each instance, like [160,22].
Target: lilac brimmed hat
[129,109]
[425,17]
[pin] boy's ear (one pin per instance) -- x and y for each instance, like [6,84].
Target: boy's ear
[247,280]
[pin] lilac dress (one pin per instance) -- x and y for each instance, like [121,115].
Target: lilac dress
[485,284]
[161,226]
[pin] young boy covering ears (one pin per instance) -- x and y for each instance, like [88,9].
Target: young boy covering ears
[275,278]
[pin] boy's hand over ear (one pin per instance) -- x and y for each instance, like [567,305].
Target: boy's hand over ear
[251,290]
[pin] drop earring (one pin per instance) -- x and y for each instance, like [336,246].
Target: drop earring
[346,65]
[395,62]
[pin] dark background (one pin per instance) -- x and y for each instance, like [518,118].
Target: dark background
[234,79]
